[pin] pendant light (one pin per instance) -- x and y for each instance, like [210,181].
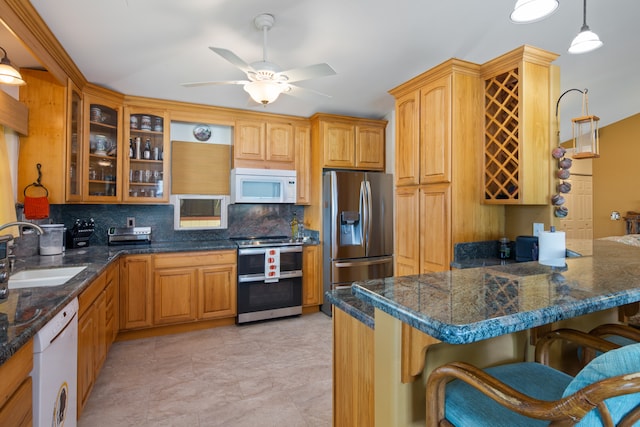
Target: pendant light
[9,75]
[526,11]
[586,40]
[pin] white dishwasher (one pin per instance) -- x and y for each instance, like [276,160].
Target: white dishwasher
[54,374]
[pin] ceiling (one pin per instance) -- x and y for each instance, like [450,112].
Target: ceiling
[148,47]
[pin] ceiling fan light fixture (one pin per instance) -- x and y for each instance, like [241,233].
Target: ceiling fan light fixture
[263,91]
[527,11]
[9,75]
[586,40]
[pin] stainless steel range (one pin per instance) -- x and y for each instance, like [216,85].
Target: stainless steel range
[269,278]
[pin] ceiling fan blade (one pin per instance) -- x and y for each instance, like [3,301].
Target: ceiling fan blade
[308,72]
[233,58]
[228,82]
[305,93]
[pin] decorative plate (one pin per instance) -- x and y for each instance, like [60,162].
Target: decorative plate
[202,132]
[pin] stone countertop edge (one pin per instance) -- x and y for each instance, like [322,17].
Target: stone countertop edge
[489,328]
[46,302]
[344,300]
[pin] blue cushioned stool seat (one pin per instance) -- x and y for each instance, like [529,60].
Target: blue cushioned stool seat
[465,406]
[623,361]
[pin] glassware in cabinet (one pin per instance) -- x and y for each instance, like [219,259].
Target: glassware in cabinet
[146,163]
[102,164]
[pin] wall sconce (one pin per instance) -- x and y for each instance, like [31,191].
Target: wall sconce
[585,129]
[9,75]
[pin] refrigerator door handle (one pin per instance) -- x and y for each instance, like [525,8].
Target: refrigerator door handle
[361,263]
[364,215]
[368,224]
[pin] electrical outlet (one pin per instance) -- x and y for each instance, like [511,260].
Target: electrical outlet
[131,222]
[537,228]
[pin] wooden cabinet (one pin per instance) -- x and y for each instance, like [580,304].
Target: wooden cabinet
[175,288]
[348,142]
[517,135]
[16,388]
[136,292]
[102,148]
[112,303]
[438,173]
[311,283]
[96,329]
[147,153]
[217,288]
[46,142]
[302,137]
[263,144]
[194,286]
[175,295]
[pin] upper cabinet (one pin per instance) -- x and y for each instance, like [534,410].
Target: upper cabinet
[102,158]
[146,155]
[348,142]
[517,117]
[423,152]
[263,144]
[302,138]
[45,144]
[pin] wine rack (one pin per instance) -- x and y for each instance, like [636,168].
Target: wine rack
[502,124]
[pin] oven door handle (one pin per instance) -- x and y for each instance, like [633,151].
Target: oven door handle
[260,251]
[248,278]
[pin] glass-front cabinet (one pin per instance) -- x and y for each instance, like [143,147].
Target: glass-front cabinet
[145,162]
[74,144]
[102,159]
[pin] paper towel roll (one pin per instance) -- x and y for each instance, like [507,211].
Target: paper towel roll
[551,248]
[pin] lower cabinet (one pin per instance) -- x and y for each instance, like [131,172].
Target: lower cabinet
[174,288]
[194,286]
[96,329]
[136,295]
[311,283]
[16,388]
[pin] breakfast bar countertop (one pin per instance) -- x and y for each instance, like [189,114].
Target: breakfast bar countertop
[469,305]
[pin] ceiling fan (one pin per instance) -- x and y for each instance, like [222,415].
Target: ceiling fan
[265,81]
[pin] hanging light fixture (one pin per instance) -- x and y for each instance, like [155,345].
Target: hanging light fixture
[526,11]
[585,129]
[9,75]
[586,40]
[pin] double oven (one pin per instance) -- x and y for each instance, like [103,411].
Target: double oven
[269,278]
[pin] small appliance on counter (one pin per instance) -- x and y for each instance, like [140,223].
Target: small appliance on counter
[51,242]
[129,235]
[526,248]
[78,236]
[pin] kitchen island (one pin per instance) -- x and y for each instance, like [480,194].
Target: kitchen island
[483,315]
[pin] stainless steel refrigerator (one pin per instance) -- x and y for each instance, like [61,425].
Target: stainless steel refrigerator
[357,227]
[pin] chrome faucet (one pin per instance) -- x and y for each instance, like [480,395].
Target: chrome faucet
[21,225]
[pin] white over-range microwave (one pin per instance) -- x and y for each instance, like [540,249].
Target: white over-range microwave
[263,186]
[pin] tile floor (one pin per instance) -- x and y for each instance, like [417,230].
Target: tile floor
[275,373]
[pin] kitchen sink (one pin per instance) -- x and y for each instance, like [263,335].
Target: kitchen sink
[43,277]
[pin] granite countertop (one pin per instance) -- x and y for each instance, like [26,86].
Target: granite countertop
[344,299]
[468,305]
[27,310]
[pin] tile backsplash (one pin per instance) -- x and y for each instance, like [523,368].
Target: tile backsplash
[245,220]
